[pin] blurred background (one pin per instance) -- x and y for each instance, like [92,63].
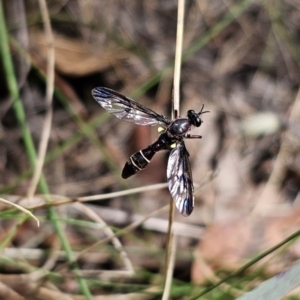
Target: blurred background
[241,60]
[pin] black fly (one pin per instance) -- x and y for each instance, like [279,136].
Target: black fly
[178,171]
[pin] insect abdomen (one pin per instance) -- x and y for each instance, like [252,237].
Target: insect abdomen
[137,162]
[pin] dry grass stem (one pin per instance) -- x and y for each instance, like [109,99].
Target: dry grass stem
[26,211]
[171,265]
[46,128]
[115,241]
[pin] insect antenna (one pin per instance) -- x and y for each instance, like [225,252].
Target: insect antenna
[201,111]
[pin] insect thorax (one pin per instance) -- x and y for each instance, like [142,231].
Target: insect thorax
[179,127]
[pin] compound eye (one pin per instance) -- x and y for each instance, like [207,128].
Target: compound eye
[191,115]
[196,121]
[199,122]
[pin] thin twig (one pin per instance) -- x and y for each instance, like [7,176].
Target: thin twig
[169,234]
[170,269]
[66,200]
[121,232]
[176,104]
[124,192]
[107,230]
[49,96]
[178,58]
[22,209]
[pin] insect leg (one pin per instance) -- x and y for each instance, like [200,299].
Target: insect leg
[193,136]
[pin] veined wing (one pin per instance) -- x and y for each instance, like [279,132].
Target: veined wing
[127,109]
[180,179]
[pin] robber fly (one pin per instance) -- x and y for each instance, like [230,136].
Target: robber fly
[178,170]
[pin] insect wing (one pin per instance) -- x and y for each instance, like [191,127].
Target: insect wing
[180,179]
[127,109]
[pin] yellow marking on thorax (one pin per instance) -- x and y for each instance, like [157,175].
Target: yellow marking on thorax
[161,129]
